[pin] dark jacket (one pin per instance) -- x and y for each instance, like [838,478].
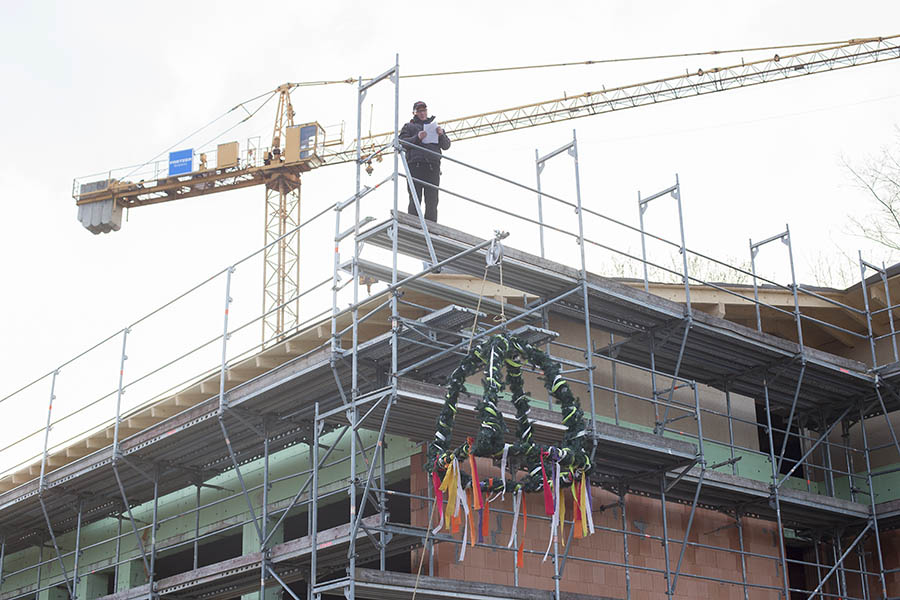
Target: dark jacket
[410,133]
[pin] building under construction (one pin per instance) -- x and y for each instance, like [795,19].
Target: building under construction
[742,437]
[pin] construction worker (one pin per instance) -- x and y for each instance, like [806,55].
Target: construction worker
[424,166]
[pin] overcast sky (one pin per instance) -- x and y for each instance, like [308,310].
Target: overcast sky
[93,86]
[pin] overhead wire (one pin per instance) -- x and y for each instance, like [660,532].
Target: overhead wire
[351,80]
[244,120]
[623,59]
[210,124]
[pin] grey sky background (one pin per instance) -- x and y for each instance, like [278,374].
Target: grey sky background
[92,86]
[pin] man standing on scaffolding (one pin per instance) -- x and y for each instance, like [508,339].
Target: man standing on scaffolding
[422,135]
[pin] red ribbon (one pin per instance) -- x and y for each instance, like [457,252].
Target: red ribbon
[438,494]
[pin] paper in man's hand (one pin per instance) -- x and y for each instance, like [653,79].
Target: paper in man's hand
[431,134]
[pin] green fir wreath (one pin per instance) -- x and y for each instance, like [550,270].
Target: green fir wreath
[491,355]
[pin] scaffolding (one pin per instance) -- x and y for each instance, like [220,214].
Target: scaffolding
[353,389]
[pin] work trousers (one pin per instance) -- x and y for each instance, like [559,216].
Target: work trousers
[429,173]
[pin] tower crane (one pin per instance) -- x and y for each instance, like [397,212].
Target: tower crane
[296,149]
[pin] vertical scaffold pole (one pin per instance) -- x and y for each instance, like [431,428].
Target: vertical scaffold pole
[816,542]
[625,545]
[539,167]
[77,559]
[665,533]
[197,527]
[395,309]
[740,528]
[848,458]
[47,431]
[787,241]
[865,293]
[874,515]
[684,261]
[2,559]
[589,344]
[313,507]
[119,393]
[221,415]
[154,526]
[264,513]
[118,552]
[754,250]
[890,310]
[730,427]
[40,566]
[116,452]
[838,551]
[352,413]
[642,207]
[774,489]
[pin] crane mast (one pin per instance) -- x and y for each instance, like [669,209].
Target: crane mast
[300,148]
[281,254]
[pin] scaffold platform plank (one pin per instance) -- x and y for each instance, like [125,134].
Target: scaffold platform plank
[621,452]
[739,495]
[191,443]
[240,575]
[717,352]
[390,585]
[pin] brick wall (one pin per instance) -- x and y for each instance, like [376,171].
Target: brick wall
[602,578]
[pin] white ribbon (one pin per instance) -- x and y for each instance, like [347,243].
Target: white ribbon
[517,501]
[465,505]
[586,490]
[506,448]
[554,523]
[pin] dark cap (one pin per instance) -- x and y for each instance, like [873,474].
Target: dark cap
[419,104]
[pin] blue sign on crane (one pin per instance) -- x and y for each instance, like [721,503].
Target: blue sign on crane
[181,161]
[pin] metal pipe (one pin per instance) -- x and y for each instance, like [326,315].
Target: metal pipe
[625,545]
[740,528]
[572,147]
[62,565]
[642,206]
[787,429]
[264,511]
[787,240]
[774,489]
[47,431]
[754,250]
[119,393]
[197,529]
[665,535]
[237,471]
[153,529]
[890,312]
[539,167]
[873,512]
[730,427]
[314,504]
[134,527]
[812,448]
[865,294]
[840,561]
[687,284]
[75,577]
